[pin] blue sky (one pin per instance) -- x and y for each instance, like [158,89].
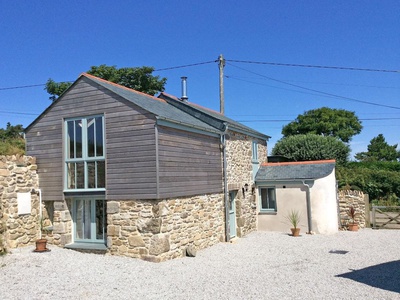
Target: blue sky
[61,39]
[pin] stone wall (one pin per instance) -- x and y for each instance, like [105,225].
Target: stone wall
[18,175]
[161,230]
[348,198]
[240,178]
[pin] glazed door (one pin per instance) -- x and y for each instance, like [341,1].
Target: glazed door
[232,215]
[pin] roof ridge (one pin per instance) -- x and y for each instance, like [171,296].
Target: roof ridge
[121,86]
[309,162]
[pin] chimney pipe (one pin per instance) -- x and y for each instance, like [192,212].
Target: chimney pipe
[184,97]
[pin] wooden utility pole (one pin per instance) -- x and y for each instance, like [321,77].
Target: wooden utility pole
[221,65]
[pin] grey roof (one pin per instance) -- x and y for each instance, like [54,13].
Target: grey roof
[153,105]
[295,171]
[211,117]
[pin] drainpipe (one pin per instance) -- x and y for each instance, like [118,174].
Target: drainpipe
[39,192]
[224,171]
[309,218]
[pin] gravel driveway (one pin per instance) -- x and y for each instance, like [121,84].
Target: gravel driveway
[263,265]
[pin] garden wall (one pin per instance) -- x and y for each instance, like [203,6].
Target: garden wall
[18,177]
[359,201]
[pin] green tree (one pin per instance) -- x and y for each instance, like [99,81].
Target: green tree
[379,179]
[338,123]
[11,140]
[139,79]
[305,147]
[379,150]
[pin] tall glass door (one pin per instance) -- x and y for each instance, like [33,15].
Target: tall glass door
[89,220]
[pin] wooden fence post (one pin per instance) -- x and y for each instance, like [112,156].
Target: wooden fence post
[367,211]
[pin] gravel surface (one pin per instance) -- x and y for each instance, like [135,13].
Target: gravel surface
[262,265]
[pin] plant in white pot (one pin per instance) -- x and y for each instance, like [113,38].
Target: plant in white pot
[294,218]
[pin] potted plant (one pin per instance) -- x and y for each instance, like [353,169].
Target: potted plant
[294,218]
[41,243]
[353,225]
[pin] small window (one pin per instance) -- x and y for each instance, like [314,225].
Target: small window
[268,199]
[254,150]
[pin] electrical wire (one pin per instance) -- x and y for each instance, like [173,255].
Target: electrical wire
[312,66]
[316,91]
[185,66]
[285,120]
[21,87]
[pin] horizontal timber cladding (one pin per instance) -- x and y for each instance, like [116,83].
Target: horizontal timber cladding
[129,142]
[189,163]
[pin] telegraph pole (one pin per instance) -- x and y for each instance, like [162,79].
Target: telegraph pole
[221,65]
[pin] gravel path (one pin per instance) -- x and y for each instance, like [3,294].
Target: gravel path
[263,265]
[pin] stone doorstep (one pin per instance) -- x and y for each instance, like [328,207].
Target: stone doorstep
[234,240]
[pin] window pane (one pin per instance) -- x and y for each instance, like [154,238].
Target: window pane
[70,175]
[264,199]
[78,138]
[255,150]
[80,175]
[99,136]
[83,219]
[101,174]
[100,220]
[90,137]
[268,200]
[271,198]
[91,174]
[79,212]
[70,140]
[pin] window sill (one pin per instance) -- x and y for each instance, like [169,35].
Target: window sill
[86,246]
[265,212]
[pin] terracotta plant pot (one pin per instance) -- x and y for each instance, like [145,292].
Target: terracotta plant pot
[353,227]
[41,245]
[295,231]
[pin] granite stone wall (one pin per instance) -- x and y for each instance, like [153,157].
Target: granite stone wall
[18,175]
[348,198]
[240,170]
[159,230]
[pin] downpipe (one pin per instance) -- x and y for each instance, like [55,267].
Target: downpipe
[308,201]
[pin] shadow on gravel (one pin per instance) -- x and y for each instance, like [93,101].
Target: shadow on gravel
[385,276]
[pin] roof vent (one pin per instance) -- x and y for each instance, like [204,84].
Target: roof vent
[184,97]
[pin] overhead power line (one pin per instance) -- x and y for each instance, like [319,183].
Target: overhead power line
[21,87]
[312,66]
[286,120]
[317,91]
[186,66]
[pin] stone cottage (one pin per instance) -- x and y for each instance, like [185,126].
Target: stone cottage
[130,174]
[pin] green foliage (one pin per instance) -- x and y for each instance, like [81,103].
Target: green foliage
[11,140]
[294,218]
[381,180]
[338,123]
[56,89]
[305,147]
[379,150]
[139,79]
